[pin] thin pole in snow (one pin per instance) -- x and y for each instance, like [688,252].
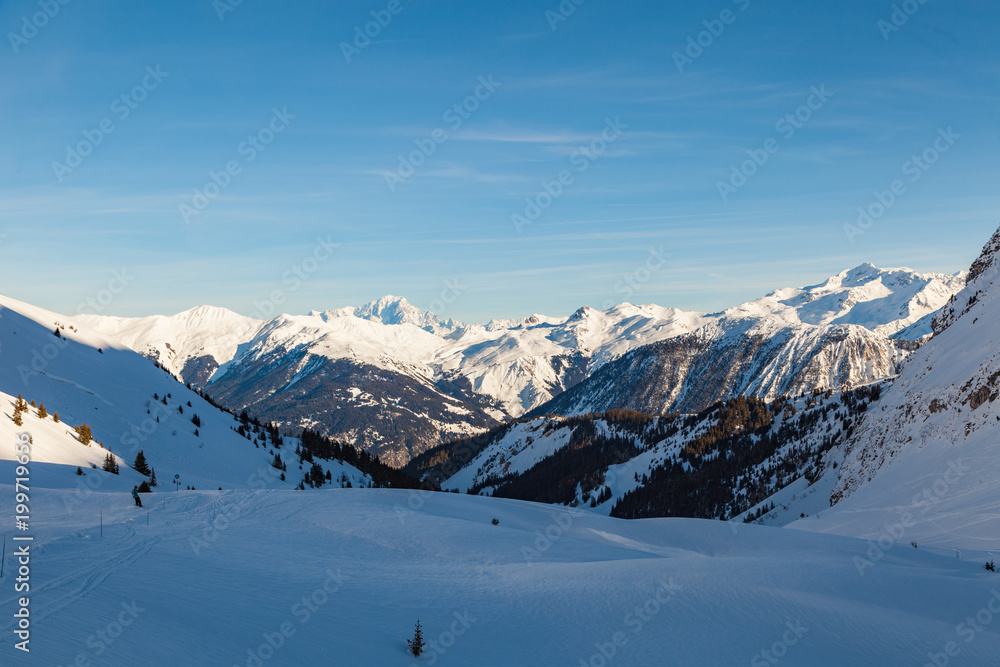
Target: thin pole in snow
[3,558]
[102,523]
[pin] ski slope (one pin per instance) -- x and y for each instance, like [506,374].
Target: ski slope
[347,573]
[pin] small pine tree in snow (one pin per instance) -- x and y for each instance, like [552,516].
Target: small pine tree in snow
[110,464]
[84,434]
[79,470]
[56,333]
[42,412]
[316,472]
[152,476]
[140,465]
[144,487]
[55,416]
[17,418]
[417,643]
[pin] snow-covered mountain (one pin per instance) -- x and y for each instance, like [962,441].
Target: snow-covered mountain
[130,405]
[932,446]
[909,459]
[190,345]
[399,380]
[849,331]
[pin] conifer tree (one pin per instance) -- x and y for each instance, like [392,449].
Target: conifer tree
[110,464]
[42,412]
[417,643]
[152,476]
[83,432]
[17,418]
[55,416]
[140,465]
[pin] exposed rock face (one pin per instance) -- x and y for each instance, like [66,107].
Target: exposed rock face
[689,373]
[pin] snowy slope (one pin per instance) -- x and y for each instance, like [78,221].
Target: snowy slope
[128,402]
[215,577]
[931,450]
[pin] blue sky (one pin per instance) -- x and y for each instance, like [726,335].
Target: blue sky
[447,230]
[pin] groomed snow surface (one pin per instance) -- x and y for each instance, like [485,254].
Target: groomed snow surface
[339,577]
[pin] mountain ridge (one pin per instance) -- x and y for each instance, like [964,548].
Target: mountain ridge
[508,368]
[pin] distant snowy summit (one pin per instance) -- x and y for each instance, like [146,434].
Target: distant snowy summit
[432,379]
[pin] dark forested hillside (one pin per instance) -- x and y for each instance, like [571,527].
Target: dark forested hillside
[718,463]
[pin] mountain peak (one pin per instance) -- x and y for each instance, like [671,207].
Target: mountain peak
[863,268]
[394,310]
[206,311]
